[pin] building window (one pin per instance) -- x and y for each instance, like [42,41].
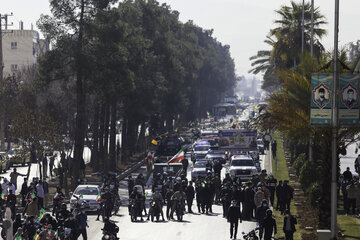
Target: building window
[13,45]
[14,67]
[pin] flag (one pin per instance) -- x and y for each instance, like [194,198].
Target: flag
[154,142]
[43,211]
[182,139]
[149,160]
[102,186]
[3,197]
[56,195]
[178,173]
[32,196]
[41,216]
[178,157]
[98,198]
[149,174]
[57,234]
[37,237]
[18,238]
[81,195]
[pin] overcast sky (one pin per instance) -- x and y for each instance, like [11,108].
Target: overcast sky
[242,24]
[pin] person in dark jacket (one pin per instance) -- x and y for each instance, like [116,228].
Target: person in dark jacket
[347,175]
[234,214]
[131,184]
[271,185]
[288,194]
[225,197]
[269,225]
[289,225]
[169,202]
[248,203]
[24,191]
[82,218]
[261,214]
[279,191]
[190,194]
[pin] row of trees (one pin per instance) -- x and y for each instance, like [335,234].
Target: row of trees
[287,78]
[135,62]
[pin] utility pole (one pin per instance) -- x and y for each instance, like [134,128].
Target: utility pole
[334,128]
[311,53]
[303,27]
[312,29]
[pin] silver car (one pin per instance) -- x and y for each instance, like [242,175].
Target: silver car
[199,170]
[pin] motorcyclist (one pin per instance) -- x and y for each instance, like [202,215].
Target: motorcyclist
[63,213]
[169,204]
[107,203]
[178,196]
[137,197]
[157,197]
[110,227]
[47,233]
[58,198]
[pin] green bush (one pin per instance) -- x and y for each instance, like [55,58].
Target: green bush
[308,174]
[299,162]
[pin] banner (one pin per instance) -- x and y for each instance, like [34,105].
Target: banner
[237,139]
[349,99]
[321,99]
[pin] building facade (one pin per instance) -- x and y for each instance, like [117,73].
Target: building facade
[21,49]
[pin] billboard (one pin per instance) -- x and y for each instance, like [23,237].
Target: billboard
[321,99]
[241,139]
[349,99]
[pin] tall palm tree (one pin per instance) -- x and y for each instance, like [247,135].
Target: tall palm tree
[289,32]
[285,42]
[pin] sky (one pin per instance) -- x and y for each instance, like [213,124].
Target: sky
[242,24]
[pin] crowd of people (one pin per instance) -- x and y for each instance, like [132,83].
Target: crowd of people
[241,201]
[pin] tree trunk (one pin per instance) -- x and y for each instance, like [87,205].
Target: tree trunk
[106,137]
[112,145]
[2,134]
[141,139]
[80,102]
[124,143]
[101,137]
[95,148]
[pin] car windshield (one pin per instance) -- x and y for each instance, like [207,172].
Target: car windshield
[202,148]
[242,163]
[216,152]
[86,191]
[200,164]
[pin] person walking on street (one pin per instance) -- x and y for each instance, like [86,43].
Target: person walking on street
[40,194]
[45,166]
[289,225]
[82,219]
[24,191]
[190,194]
[269,226]
[234,214]
[130,184]
[271,185]
[13,177]
[51,164]
[347,175]
[274,148]
[288,193]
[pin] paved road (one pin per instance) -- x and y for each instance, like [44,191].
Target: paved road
[194,227]
[349,159]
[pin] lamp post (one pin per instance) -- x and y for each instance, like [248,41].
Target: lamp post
[334,127]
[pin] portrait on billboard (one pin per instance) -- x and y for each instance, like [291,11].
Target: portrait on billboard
[349,96]
[321,95]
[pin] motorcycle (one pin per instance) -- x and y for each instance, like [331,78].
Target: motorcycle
[135,210]
[179,210]
[117,204]
[154,210]
[251,235]
[109,236]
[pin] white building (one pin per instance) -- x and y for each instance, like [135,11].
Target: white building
[21,49]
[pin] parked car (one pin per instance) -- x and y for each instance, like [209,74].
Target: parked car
[242,166]
[18,156]
[87,194]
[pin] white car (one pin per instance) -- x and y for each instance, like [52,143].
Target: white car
[199,169]
[88,194]
[242,166]
[199,151]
